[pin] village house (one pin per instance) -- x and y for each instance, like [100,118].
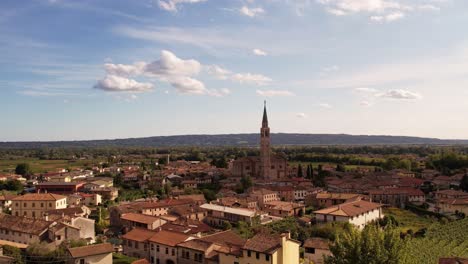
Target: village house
[217,214]
[209,249]
[450,194]
[286,193]
[163,246]
[89,199]
[300,193]
[6,199]
[132,220]
[64,188]
[189,184]
[23,230]
[34,205]
[397,197]
[154,208]
[315,249]
[263,196]
[284,209]
[358,213]
[263,248]
[107,193]
[92,254]
[135,243]
[452,205]
[327,199]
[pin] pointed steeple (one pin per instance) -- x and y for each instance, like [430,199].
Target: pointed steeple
[265,117]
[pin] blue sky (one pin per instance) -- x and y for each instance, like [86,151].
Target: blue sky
[116,69]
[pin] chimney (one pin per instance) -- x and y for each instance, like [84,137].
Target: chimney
[46,217]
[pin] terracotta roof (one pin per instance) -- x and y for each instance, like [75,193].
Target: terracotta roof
[141,261]
[227,237]
[39,197]
[23,224]
[317,242]
[196,244]
[140,218]
[338,196]
[350,208]
[283,206]
[395,191]
[168,238]
[265,243]
[139,234]
[91,250]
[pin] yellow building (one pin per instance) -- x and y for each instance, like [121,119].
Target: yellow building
[34,205]
[263,249]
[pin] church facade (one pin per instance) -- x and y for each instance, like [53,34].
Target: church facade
[267,166]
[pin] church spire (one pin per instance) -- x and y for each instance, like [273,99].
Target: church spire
[265,117]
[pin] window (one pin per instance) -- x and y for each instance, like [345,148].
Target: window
[33,204]
[33,214]
[152,246]
[249,253]
[257,255]
[173,252]
[157,261]
[42,204]
[157,248]
[310,250]
[24,205]
[167,250]
[152,260]
[50,204]
[82,261]
[267,257]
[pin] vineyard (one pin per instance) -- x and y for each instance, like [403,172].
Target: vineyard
[441,240]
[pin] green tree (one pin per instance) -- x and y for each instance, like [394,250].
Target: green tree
[13,252]
[244,230]
[464,183]
[227,225]
[369,246]
[309,172]
[299,171]
[23,169]
[246,182]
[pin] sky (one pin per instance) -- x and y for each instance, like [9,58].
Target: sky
[90,69]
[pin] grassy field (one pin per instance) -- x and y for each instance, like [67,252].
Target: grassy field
[39,166]
[409,220]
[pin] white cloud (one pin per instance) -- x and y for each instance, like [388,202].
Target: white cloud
[378,10]
[219,93]
[301,115]
[365,103]
[251,12]
[125,70]
[394,16]
[365,90]
[187,85]
[170,65]
[270,93]
[244,78]
[218,71]
[114,83]
[179,73]
[171,5]
[325,105]
[400,94]
[259,52]
[250,78]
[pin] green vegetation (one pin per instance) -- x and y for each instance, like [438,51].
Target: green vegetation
[118,258]
[441,240]
[406,220]
[369,246]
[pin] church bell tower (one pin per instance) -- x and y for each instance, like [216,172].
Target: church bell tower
[265,162]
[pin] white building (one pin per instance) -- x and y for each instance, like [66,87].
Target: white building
[358,213]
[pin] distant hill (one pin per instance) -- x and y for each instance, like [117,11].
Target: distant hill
[239,140]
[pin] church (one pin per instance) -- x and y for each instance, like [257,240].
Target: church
[267,166]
